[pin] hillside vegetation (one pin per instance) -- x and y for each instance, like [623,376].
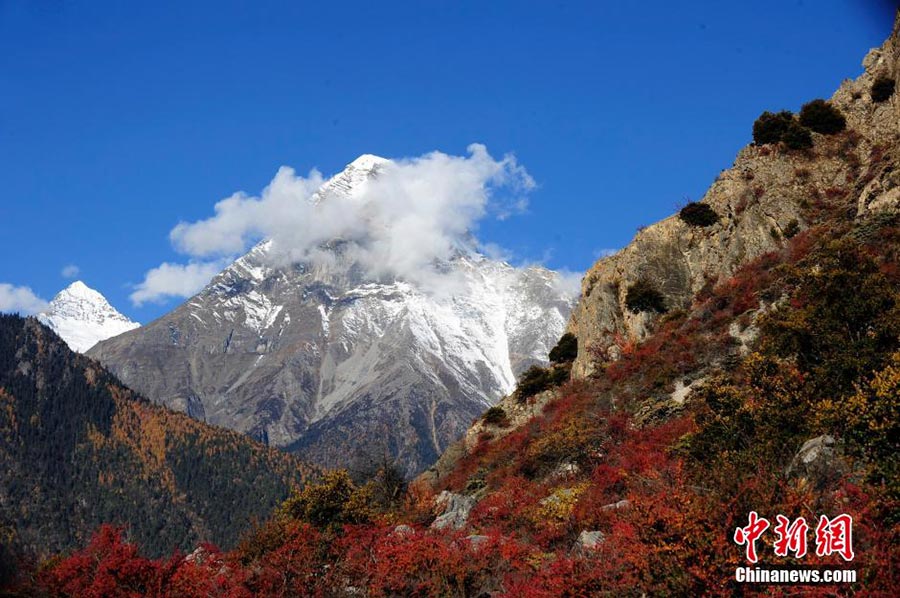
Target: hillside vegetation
[664,481]
[77,449]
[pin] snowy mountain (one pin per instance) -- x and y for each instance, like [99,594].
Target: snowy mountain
[323,358]
[82,317]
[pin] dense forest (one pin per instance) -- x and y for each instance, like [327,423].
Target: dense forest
[77,449]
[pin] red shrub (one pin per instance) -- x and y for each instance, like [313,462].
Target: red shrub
[108,568]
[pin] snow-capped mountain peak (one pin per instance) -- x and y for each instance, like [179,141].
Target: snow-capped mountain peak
[83,317]
[351,181]
[368,162]
[79,290]
[327,356]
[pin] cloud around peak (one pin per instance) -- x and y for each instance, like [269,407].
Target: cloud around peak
[398,222]
[174,280]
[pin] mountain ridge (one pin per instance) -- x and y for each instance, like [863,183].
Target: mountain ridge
[78,449]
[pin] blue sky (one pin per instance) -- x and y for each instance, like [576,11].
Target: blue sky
[118,120]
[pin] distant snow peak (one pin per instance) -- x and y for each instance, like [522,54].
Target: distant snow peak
[78,291]
[83,317]
[368,162]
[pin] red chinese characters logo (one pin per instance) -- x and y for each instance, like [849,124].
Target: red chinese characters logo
[748,535]
[832,536]
[835,535]
[791,536]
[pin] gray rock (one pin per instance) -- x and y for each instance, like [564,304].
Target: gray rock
[456,510]
[819,461]
[404,530]
[198,556]
[683,391]
[622,504]
[587,541]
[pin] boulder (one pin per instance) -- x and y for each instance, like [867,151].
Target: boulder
[587,541]
[199,556]
[456,509]
[819,461]
[404,530]
[622,504]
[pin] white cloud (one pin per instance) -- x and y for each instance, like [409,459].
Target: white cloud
[513,208]
[174,280]
[568,282]
[414,212]
[496,252]
[20,299]
[70,271]
[240,219]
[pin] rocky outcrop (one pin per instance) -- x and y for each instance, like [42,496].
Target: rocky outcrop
[456,509]
[587,542]
[818,461]
[759,201]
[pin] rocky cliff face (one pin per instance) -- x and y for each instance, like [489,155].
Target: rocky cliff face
[324,359]
[759,201]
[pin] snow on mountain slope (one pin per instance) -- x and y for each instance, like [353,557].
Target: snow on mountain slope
[82,317]
[325,358]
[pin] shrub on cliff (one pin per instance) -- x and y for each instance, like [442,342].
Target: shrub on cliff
[698,214]
[566,350]
[770,128]
[882,89]
[791,229]
[821,117]
[495,416]
[797,137]
[537,379]
[643,296]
